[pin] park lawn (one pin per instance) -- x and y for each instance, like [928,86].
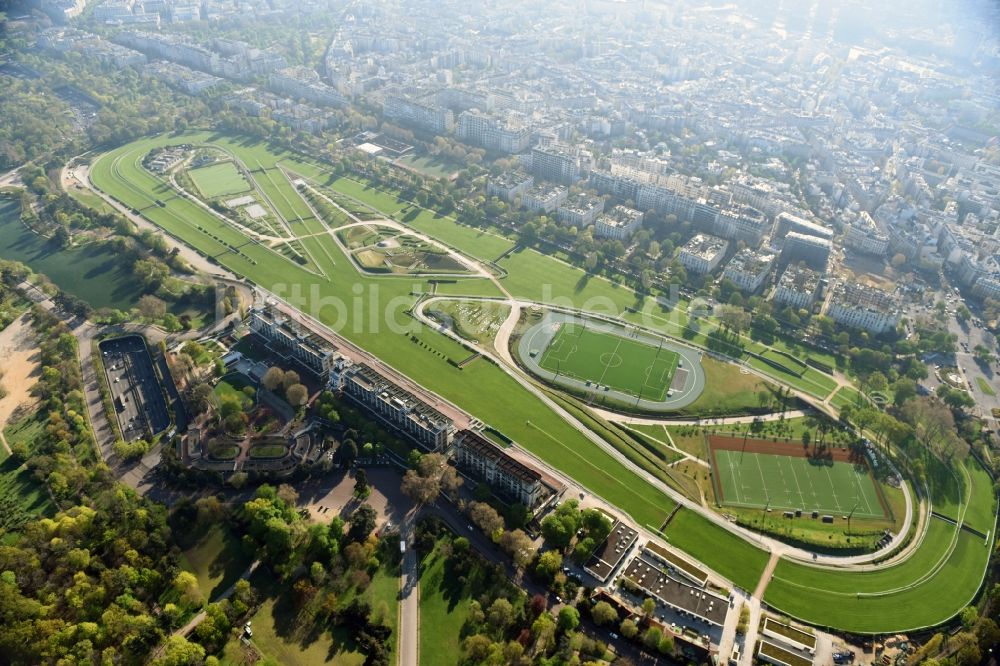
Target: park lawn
[728,390]
[26,431]
[847,395]
[477,243]
[219,180]
[534,276]
[215,556]
[608,359]
[22,498]
[907,596]
[444,607]
[89,199]
[277,633]
[716,547]
[92,272]
[231,387]
[985,387]
[430,165]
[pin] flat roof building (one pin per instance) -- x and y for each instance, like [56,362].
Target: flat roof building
[749,269]
[797,287]
[693,601]
[509,185]
[606,557]
[556,164]
[620,223]
[786,222]
[702,254]
[859,306]
[543,198]
[580,211]
[812,250]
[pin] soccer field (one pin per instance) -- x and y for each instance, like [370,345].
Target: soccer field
[219,180]
[782,482]
[606,359]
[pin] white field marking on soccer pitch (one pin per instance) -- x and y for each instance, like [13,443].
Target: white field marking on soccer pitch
[861,492]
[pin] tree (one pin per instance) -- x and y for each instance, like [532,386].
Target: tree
[549,564]
[648,606]
[603,613]
[419,488]
[628,629]
[290,378]
[179,651]
[361,488]
[500,613]
[651,639]
[485,517]
[273,378]
[152,307]
[569,619]
[519,546]
[362,523]
[296,394]
[186,585]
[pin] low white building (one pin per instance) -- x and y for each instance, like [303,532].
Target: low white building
[749,269]
[580,211]
[858,306]
[543,198]
[619,224]
[702,254]
[509,185]
[797,287]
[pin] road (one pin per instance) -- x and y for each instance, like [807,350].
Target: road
[409,600]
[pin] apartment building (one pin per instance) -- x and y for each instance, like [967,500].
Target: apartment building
[702,254]
[555,164]
[797,287]
[502,136]
[749,268]
[812,250]
[544,198]
[580,211]
[618,224]
[864,236]
[859,306]
[427,117]
[509,185]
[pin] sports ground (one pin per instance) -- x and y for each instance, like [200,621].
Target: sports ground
[219,180]
[784,476]
[606,359]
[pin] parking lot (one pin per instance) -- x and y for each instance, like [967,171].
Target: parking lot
[135,391]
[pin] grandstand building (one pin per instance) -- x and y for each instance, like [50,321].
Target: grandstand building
[400,409]
[291,341]
[489,463]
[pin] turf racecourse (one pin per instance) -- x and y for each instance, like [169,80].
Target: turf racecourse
[626,365]
[481,388]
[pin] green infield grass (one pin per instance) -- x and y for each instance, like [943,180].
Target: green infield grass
[985,387]
[219,180]
[758,480]
[607,359]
